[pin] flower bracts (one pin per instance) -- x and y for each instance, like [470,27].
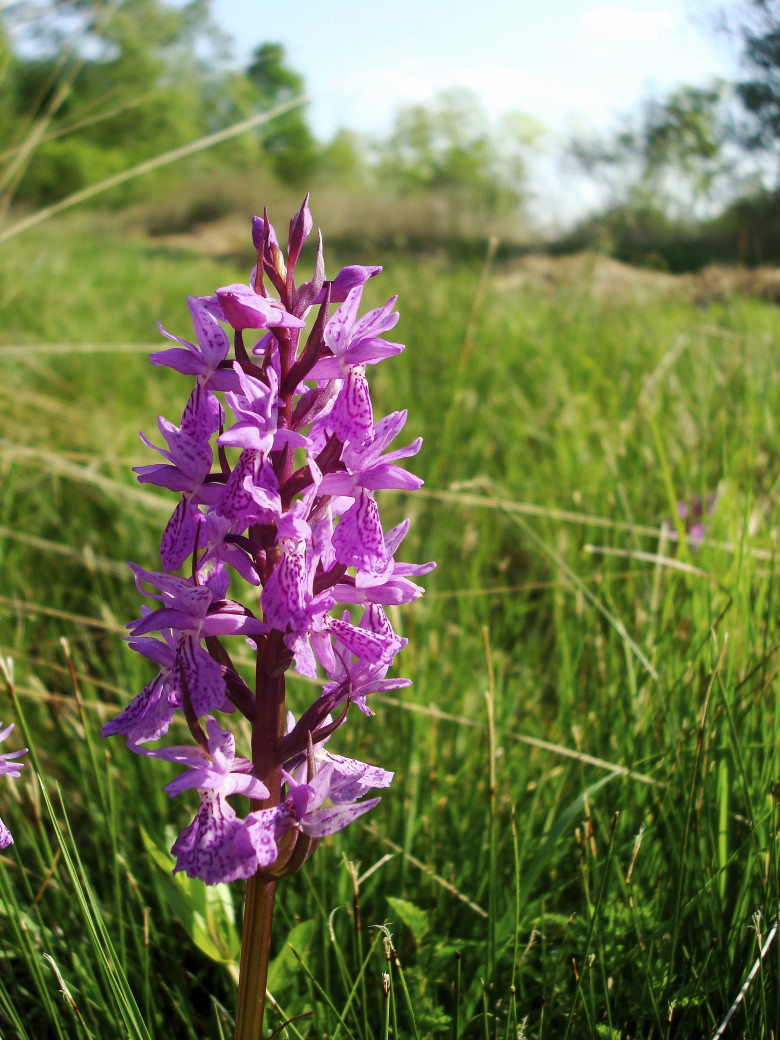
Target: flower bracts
[275,461]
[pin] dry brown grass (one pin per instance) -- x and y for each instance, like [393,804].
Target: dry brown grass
[606,278]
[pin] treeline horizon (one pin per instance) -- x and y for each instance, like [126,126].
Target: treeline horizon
[88,92]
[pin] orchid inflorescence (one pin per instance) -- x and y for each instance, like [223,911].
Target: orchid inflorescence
[276,461]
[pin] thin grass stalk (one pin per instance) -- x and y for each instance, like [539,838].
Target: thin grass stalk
[611,618]
[456,1009]
[352,870]
[200,145]
[690,819]
[405,988]
[69,64]
[757,966]
[587,960]
[394,1006]
[518,900]
[29,953]
[324,995]
[358,984]
[386,994]
[8,1014]
[490,699]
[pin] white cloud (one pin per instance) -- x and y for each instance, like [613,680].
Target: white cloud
[548,96]
[611,27]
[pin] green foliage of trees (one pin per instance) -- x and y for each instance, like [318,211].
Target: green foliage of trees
[287,140]
[100,87]
[756,23]
[698,168]
[450,148]
[92,88]
[669,154]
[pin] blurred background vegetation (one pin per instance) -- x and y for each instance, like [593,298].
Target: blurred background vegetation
[582,838]
[90,90]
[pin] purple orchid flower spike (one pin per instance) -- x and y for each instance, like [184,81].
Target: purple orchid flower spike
[275,542]
[9,767]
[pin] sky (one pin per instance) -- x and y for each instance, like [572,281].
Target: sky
[565,62]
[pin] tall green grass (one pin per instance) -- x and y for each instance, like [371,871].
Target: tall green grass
[581,840]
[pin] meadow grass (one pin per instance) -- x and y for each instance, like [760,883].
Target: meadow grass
[581,840]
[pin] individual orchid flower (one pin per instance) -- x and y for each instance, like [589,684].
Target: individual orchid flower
[346,280]
[190,610]
[389,586]
[149,714]
[190,457]
[355,680]
[348,780]
[302,811]
[365,465]
[208,847]
[9,767]
[204,359]
[358,539]
[288,589]
[251,493]
[245,309]
[354,343]
[214,847]
[215,767]
[222,540]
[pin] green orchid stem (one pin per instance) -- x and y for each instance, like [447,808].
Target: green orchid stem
[259,906]
[255,955]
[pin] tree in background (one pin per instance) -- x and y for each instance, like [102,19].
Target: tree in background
[450,149]
[756,24]
[343,160]
[669,155]
[98,87]
[287,140]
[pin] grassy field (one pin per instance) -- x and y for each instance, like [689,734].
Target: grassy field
[581,840]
